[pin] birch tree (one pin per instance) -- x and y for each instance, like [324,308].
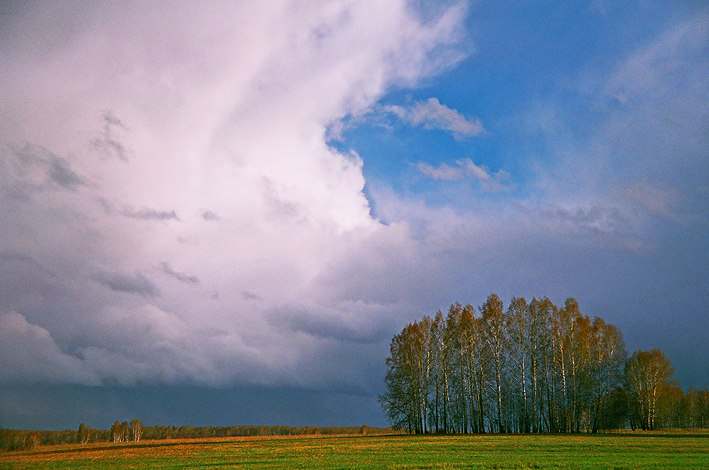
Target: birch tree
[646,372]
[495,340]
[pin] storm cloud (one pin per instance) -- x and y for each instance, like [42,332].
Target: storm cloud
[173,213]
[129,283]
[182,277]
[216,176]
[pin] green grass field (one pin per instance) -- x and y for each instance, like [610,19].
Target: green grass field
[662,450]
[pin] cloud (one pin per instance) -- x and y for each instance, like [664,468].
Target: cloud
[127,283]
[144,213]
[431,114]
[148,214]
[235,123]
[355,322]
[107,143]
[28,169]
[465,168]
[443,172]
[597,220]
[654,199]
[29,354]
[182,277]
[648,69]
[210,216]
[248,295]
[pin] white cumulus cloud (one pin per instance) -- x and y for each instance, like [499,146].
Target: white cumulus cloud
[432,114]
[169,202]
[465,168]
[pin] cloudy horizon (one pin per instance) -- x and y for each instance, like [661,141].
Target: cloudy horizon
[241,199]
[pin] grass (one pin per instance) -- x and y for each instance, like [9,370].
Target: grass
[656,450]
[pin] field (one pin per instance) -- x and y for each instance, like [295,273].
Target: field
[662,450]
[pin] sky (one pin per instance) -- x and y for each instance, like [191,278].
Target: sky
[221,213]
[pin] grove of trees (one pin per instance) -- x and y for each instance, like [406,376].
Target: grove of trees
[531,368]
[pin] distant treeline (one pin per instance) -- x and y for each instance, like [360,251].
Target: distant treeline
[531,368]
[134,431]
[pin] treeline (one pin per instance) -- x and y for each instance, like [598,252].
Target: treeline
[134,431]
[530,368]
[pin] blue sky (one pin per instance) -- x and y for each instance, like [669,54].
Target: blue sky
[246,202]
[537,77]
[525,58]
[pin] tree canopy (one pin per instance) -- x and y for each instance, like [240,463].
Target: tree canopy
[534,367]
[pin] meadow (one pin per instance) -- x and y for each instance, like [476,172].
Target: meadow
[646,450]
